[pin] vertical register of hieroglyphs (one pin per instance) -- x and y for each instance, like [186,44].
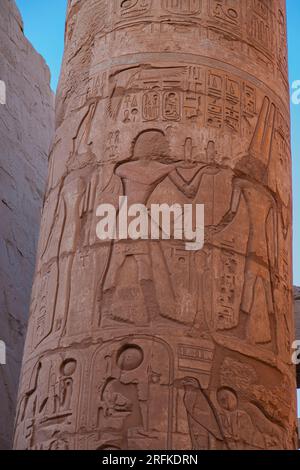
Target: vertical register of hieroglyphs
[143,344]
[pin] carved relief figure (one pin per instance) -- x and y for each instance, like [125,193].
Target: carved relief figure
[237,425]
[262,251]
[139,178]
[151,164]
[268,405]
[204,424]
[190,270]
[74,203]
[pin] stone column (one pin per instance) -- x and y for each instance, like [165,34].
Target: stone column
[145,344]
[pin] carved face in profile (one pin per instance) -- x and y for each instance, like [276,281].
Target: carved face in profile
[151,145]
[227,399]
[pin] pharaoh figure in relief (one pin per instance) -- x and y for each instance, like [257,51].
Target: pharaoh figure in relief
[142,343]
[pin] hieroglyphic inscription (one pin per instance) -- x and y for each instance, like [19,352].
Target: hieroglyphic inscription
[260,24]
[182,7]
[227,290]
[209,97]
[227,11]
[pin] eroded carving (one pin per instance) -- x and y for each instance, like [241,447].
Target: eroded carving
[48,403]
[129,381]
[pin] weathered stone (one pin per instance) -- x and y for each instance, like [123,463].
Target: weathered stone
[26,129]
[144,344]
[297,324]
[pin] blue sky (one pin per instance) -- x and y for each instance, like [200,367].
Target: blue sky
[44,24]
[44,27]
[294,66]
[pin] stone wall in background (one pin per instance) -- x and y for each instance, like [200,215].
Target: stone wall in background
[26,129]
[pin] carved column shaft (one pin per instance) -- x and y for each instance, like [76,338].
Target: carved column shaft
[144,344]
